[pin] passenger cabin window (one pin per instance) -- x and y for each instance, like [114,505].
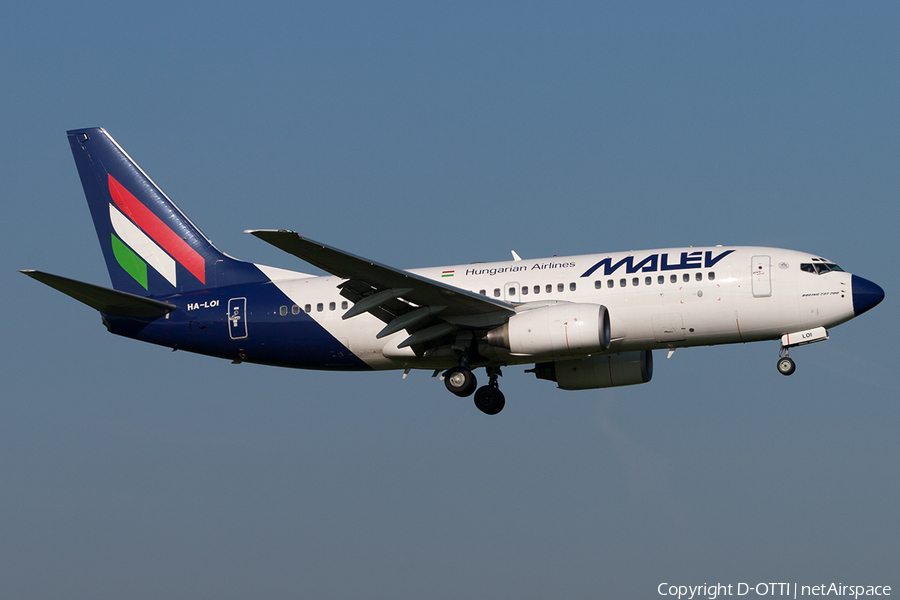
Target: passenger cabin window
[344,305]
[623,282]
[524,290]
[711,275]
[295,310]
[537,289]
[331,306]
[610,283]
[549,288]
[648,280]
[560,287]
[686,277]
[320,307]
[572,287]
[482,292]
[283,310]
[699,276]
[496,292]
[598,284]
[661,279]
[673,278]
[307,308]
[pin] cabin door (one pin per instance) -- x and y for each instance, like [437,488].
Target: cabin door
[761,276]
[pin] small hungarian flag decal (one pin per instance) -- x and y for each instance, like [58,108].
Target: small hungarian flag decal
[447,273]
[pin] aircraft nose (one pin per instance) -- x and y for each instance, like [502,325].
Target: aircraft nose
[865,294]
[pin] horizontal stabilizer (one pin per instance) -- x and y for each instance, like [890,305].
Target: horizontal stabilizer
[105,300]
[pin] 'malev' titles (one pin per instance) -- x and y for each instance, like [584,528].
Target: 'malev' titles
[660,262]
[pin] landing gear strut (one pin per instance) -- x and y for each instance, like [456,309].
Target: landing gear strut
[489,399]
[785,365]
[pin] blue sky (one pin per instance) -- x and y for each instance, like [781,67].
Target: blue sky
[424,135]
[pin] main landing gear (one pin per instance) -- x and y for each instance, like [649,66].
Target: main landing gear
[488,398]
[460,381]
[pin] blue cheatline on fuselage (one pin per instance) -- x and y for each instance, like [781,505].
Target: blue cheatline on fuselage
[286,341]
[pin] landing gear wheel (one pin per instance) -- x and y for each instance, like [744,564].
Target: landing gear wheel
[489,400]
[460,381]
[786,366]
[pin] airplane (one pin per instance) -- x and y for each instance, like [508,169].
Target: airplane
[584,322]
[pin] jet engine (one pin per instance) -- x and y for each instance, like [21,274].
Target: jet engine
[565,329]
[613,370]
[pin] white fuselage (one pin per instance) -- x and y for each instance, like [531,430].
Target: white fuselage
[664,298]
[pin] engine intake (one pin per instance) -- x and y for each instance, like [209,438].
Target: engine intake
[566,329]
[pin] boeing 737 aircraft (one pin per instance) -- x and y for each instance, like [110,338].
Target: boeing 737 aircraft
[584,322]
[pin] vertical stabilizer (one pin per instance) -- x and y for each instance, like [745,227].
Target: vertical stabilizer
[151,248]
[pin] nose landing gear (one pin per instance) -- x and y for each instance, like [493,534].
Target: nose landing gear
[785,364]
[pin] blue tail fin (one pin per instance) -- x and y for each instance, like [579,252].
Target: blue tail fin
[151,248]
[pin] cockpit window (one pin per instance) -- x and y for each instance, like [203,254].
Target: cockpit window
[819,268]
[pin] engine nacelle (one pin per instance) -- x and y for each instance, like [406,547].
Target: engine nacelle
[613,370]
[565,329]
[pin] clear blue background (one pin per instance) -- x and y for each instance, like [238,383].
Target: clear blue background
[421,134]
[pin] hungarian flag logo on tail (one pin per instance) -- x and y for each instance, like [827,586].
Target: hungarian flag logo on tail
[140,238]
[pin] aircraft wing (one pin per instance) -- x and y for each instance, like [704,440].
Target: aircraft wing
[401,299]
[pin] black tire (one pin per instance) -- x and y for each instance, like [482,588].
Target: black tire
[460,381]
[489,400]
[786,366]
